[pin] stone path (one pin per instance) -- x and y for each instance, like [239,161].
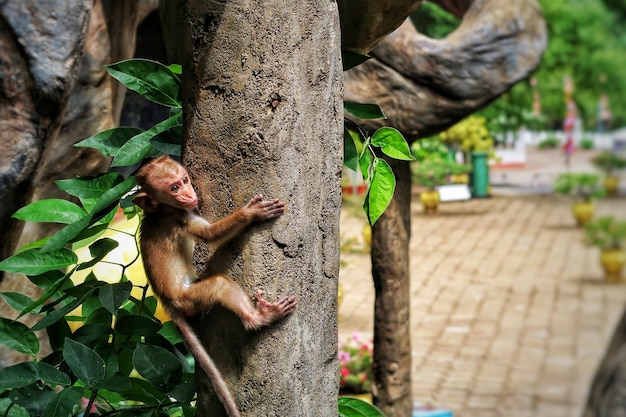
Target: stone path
[510,315]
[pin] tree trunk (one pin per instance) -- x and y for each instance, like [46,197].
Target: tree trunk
[390,269]
[263,113]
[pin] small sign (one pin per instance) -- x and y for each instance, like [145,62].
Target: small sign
[454,192]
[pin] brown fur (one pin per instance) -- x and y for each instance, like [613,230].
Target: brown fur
[168,232]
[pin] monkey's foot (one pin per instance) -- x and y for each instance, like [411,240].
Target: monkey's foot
[269,313]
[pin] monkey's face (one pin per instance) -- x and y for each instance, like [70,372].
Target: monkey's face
[175,189]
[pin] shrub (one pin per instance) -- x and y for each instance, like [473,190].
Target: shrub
[355,365]
[549,143]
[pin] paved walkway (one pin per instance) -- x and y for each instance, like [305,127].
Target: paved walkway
[510,315]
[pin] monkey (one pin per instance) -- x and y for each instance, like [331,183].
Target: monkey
[168,232]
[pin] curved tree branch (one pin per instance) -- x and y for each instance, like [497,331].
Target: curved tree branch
[425,85]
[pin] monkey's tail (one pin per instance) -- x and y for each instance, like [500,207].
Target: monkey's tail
[202,357]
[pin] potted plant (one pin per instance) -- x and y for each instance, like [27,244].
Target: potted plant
[585,187]
[608,163]
[355,365]
[472,137]
[431,173]
[459,173]
[608,234]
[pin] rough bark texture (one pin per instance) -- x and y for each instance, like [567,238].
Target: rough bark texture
[263,113]
[390,270]
[607,397]
[364,23]
[41,46]
[426,85]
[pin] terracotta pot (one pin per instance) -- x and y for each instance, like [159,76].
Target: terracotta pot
[611,185]
[612,261]
[583,212]
[430,200]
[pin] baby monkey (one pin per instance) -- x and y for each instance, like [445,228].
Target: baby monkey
[168,232]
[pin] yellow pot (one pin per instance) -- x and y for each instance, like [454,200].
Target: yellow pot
[583,212]
[430,200]
[459,179]
[611,185]
[612,261]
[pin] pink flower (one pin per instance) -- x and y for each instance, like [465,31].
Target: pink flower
[345,372]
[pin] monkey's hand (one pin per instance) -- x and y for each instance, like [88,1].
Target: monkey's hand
[260,210]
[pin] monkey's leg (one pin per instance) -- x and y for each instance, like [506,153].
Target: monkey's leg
[220,289]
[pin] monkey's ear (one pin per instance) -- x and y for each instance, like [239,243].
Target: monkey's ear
[143,200]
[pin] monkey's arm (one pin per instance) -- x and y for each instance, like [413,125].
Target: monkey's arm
[222,230]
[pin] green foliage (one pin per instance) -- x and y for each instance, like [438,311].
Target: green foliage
[586,144]
[355,365]
[353,407]
[605,233]
[117,358]
[584,44]
[583,185]
[608,162]
[549,143]
[434,171]
[434,22]
[428,147]
[360,154]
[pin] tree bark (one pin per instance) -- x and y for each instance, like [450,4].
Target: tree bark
[263,113]
[426,85]
[390,270]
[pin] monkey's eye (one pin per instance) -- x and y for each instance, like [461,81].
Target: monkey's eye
[185,180]
[175,188]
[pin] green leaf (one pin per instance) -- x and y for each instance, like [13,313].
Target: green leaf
[114,295]
[185,389]
[110,141]
[353,407]
[140,147]
[35,261]
[392,143]
[152,80]
[366,160]
[352,59]
[169,141]
[34,398]
[102,247]
[18,336]
[84,362]
[27,373]
[99,249]
[58,314]
[158,366]
[107,201]
[171,333]
[382,186]
[63,403]
[37,244]
[350,155]
[176,68]
[54,210]
[17,300]
[53,284]
[363,111]
[9,409]
[117,383]
[133,324]
[57,332]
[90,187]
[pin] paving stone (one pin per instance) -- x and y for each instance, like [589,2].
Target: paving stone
[510,314]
